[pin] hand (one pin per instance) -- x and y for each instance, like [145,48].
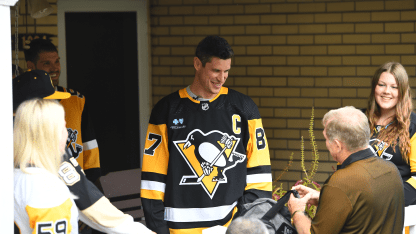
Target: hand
[227,141]
[295,204]
[301,222]
[206,168]
[312,194]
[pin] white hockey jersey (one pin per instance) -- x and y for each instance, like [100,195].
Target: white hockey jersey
[43,203]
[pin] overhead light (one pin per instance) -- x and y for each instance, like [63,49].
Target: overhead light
[39,8]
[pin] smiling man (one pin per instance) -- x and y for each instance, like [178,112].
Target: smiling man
[206,150]
[81,141]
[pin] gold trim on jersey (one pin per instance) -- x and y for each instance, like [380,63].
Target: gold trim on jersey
[265,186]
[152,194]
[412,181]
[90,161]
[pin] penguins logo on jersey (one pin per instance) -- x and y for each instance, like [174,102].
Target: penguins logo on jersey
[71,143]
[209,156]
[380,148]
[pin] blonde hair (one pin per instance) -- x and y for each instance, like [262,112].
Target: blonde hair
[37,135]
[399,129]
[348,125]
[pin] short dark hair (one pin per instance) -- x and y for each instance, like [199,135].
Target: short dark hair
[213,46]
[38,46]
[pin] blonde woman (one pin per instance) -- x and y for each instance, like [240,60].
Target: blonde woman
[95,209]
[42,202]
[393,123]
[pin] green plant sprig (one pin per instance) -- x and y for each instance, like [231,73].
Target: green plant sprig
[309,174]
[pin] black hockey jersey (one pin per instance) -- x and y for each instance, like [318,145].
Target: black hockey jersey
[407,171]
[200,159]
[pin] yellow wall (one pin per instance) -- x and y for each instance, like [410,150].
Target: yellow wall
[290,55]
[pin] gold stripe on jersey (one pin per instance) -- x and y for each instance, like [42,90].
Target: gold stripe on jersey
[262,156]
[51,220]
[265,186]
[412,182]
[157,160]
[152,194]
[223,90]
[412,155]
[184,94]
[91,161]
[199,230]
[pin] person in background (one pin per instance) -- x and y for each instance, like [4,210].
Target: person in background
[393,123]
[205,150]
[96,210]
[81,142]
[364,196]
[243,225]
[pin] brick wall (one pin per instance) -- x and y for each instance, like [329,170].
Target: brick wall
[290,56]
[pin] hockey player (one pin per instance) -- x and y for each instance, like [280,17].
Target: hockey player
[205,151]
[95,209]
[81,142]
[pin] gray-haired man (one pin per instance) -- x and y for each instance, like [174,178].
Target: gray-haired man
[365,195]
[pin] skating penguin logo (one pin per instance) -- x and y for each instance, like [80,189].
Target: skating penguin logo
[379,148]
[74,148]
[209,156]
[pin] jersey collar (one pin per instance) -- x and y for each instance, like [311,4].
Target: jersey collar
[184,94]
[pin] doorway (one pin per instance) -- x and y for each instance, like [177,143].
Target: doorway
[103,46]
[101,50]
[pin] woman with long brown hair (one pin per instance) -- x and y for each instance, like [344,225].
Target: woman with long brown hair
[393,123]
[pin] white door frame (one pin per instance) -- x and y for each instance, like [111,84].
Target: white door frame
[141,9]
[6,123]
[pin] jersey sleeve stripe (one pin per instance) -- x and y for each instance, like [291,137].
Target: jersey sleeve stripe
[259,170]
[199,230]
[265,186]
[259,178]
[90,145]
[412,181]
[198,214]
[152,185]
[89,161]
[152,194]
[153,177]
